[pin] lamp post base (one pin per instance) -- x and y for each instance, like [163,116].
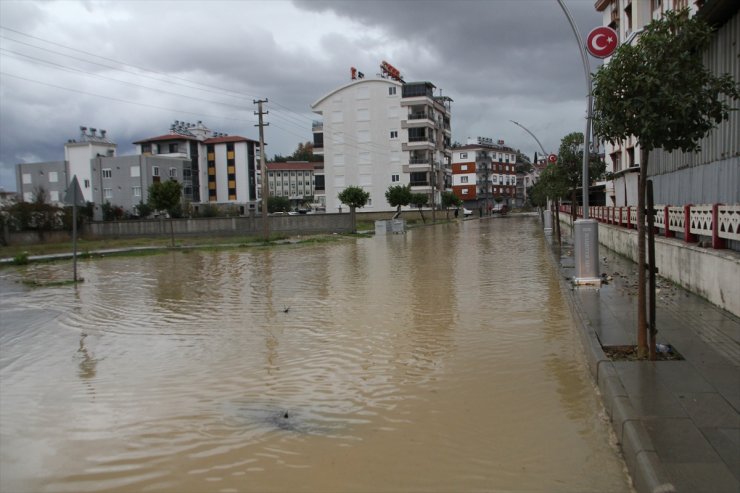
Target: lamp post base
[586,252]
[548,222]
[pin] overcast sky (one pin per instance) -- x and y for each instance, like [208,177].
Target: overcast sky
[134,67]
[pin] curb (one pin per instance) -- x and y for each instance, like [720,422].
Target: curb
[645,467]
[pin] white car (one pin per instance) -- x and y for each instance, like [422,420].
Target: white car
[467,212]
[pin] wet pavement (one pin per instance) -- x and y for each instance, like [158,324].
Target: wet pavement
[677,422]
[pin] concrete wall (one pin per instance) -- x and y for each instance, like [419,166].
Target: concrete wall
[712,274]
[301,224]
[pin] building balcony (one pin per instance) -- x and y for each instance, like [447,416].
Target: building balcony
[419,123]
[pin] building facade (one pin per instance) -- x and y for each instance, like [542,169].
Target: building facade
[212,168]
[378,133]
[222,170]
[293,180]
[708,176]
[484,174]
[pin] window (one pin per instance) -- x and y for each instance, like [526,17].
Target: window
[136,191]
[53,177]
[26,178]
[87,183]
[155,170]
[107,173]
[173,148]
[187,173]
[146,148]
[463,179]
[394,134]
[464,167]
[54,196]
[463,155]
[107,193]
[135,171]
[394,178]
[363,114]
[392,91]
[173,172]
[464,191]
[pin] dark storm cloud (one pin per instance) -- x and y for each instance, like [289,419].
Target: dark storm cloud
[498,60]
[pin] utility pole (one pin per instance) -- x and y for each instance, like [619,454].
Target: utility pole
[263,168]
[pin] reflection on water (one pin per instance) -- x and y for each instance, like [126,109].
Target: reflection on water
[439,360]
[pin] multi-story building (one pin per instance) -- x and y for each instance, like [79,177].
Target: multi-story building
[222,167]
[708,176]
[292,179]
[124,181]
[49,178]
[212,167]
[381,132]
[484,174]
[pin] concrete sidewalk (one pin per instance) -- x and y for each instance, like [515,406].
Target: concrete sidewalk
[677,422]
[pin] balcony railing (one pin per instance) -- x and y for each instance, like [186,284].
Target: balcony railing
[419,115]
[420,160]
[419,183]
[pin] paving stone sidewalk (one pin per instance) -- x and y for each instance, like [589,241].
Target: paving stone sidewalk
[678,422]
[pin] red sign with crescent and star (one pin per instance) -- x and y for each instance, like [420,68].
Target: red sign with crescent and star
[602,41]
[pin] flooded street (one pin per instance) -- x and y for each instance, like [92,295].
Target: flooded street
[440,360]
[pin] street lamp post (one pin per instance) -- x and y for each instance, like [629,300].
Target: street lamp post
[548,211]
[585,231]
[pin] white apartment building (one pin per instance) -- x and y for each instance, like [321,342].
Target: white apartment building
[381,132]
[679,178]
[55,176]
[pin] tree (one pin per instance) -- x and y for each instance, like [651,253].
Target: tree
[143,210]
[660,92]
[419,200]
[398,196]
[278,204]
[166,196]
[570,166]
[353,197]
[449,199]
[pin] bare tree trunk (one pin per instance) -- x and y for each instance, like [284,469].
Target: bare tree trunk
[651,268]
[557,221]
[642,349]
[353,219]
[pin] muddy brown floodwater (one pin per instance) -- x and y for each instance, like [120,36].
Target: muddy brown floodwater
[440,360]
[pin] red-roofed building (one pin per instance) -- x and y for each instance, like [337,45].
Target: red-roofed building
[297,180]
[223,168]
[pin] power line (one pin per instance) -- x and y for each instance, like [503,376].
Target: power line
[122,100]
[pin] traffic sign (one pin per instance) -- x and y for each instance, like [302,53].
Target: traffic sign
[602,41]
[552,158]
[74,193]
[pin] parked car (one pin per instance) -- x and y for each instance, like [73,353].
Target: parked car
[467,212]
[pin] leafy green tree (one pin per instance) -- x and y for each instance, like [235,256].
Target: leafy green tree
[398,196]
[659,91]
[167,196]
[353,197]
[144,210]
[449,199]
[570,166]
[419,200]
[278,204]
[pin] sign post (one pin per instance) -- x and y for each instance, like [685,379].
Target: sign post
[74,198]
